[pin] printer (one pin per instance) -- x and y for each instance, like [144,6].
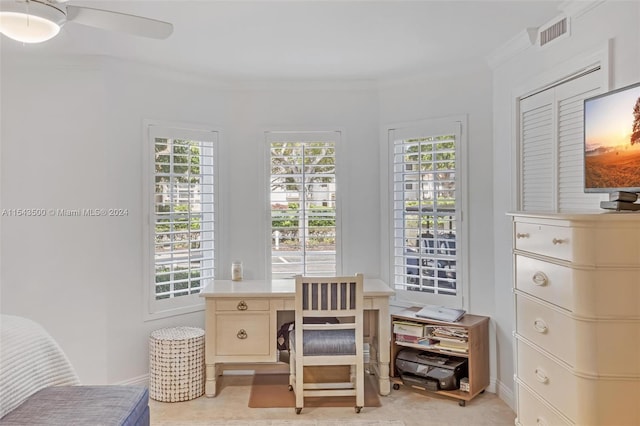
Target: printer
[430,371]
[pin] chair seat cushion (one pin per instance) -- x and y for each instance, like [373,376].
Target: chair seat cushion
[83,405]
[327,342]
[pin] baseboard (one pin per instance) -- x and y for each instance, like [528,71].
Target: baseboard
[492,385]
[506,394]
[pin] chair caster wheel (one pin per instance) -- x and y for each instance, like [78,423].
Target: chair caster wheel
[290,388]
[462,403]
[358,409]
[298,410]
[396,386]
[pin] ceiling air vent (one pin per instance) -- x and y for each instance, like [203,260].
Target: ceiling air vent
[555,30]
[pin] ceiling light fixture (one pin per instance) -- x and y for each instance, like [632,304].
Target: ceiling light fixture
[30,21]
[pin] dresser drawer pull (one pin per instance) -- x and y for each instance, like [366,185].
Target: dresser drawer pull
[541,376]
[557,241]
[540,278]
[242,334]
[540,326]
[522,235]
[242,306]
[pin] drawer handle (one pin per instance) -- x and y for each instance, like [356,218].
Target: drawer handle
[242,306]
[242,334]
[540,278]
[541,376]
[540,326]
[541,421]
[522,235]
[557,241]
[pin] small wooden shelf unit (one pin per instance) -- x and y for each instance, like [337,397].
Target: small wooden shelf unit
[478,356]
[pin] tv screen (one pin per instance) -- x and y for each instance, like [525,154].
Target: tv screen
[612,141]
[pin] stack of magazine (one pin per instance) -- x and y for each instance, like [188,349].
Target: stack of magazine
[441,313]
[452,339]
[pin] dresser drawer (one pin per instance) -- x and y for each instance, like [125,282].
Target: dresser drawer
[581,291]
[242,304]
[552,382]
[584,400]
[533,412]
[547,328]
[546,281]
[547,240]
[244,334]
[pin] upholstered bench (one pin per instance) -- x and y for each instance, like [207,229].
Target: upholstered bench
[38,385]
[83,405]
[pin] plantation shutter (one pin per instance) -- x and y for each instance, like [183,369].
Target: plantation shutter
[551,150]
[181,206]
[427,212]
[303,203]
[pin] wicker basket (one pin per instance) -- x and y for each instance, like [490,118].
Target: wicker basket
[176,364]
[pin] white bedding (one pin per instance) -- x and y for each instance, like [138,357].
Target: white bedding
[30,360]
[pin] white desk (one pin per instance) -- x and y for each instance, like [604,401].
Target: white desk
[241,324]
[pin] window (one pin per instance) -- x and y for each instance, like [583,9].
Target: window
[426,212]
[303,203]
[181,210]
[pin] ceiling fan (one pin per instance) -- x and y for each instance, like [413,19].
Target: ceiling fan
[35,21]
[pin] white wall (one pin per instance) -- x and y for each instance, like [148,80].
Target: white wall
[71,138]
[590,31]
[463,90]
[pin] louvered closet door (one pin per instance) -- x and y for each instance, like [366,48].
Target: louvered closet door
[551,150]
[537,163]
[571,98]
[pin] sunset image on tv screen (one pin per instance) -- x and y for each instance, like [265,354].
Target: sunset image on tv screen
[612,140]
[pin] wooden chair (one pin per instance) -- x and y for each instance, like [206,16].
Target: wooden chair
[316,342]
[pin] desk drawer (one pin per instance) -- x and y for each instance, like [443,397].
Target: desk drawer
[243,334]
[242,304]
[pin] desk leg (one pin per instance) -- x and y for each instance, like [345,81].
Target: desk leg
[210,384]
[212,369]
[384,346]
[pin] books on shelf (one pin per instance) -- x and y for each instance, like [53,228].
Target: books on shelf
[447,338]
[408,328]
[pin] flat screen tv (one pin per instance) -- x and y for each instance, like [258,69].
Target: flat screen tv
[612,141]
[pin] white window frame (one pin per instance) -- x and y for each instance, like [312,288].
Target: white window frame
[161,308]
[336,136]
[448,125]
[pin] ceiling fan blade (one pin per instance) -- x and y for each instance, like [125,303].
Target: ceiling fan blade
[121,22]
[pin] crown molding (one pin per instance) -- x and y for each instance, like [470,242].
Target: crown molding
[522,41]
[577,8]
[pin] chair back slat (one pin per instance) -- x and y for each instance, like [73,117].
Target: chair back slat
[340,295]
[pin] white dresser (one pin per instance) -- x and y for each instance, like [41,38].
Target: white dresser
[577,325]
